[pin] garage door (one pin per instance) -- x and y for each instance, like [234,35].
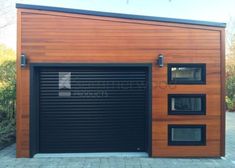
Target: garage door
[93,109]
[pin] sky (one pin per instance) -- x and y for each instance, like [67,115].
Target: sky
[208,10]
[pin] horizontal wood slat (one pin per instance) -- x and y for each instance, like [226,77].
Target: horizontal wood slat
[49,37]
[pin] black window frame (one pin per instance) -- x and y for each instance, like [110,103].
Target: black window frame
[187,143]
[203,104]
[188,65]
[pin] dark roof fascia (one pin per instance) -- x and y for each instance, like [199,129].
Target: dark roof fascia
[123,16]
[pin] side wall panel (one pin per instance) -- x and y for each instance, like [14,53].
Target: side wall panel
[54,37]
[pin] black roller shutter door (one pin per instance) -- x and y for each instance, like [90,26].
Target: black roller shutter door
[93,109]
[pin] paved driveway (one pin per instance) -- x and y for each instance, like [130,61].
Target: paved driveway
[7,158]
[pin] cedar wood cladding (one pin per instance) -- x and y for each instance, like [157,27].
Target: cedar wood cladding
[59,37]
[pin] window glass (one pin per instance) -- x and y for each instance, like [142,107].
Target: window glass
[186,73]
[186,104]
[187,135]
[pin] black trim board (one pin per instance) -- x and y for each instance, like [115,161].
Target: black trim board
[119,15]
[41,64]
[34,111]
[149,109]
[34,95]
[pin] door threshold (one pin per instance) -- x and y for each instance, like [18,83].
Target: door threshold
[103,154]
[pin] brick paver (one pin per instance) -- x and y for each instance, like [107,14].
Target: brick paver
[7,158]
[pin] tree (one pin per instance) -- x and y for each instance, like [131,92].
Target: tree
[7,79]
[6,53]
[230,75]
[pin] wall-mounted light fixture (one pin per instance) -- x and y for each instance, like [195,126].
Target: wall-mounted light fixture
[23,60]
[160,60]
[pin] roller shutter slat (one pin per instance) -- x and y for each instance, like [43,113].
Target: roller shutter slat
[116,122]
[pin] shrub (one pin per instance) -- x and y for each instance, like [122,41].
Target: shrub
[7,132]
[229,104]
[230,77]
[8,88]
[7,95]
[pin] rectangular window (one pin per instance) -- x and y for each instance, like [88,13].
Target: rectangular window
[187,104]
[187,135]
[186,73]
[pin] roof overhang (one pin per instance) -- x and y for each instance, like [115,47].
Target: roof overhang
[123,16]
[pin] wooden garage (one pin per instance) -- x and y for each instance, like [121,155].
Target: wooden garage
[96,82]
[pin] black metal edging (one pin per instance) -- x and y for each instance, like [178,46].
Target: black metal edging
[34,116]
[203,105]
[90,64]
[32,128]
[119,15]
[34,95]
[150,110]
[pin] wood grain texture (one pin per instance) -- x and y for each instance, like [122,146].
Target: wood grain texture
[54,37]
